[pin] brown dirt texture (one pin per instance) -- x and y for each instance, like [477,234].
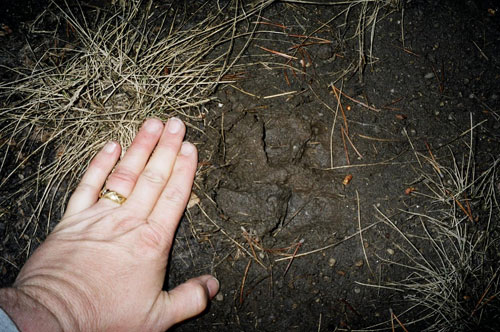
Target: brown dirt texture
[319,165]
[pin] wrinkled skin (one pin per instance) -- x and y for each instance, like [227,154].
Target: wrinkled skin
[103,266]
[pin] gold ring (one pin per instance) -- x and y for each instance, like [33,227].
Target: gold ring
[113,196]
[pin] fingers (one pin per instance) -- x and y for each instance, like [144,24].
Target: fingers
[185,301]
[170,206]
[155,175]
[123,179]
[87,192]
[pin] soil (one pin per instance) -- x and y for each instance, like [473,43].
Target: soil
[274,179]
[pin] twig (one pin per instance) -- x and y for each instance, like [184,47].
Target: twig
[271,24]
[357,101]
[286,77]
[293,256]
[249,240]
[321,40]
[461,207]
[243,91]
[279,95]
[350,307]
[434,163]
[328,246]
[478,305]
[342,134]
[284,55]
[385,162]
[244,280]
[379,139]
[361,234]
[412,147]
[229,237]
[468,205]
[355,150]
[337,96]
[481,51]
[406,50]
[397,319]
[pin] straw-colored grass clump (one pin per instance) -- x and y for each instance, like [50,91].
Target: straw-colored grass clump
[448,247]
[101,72]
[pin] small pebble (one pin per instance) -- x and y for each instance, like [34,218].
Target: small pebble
[429,76]
[193,200]
[219,297]
[390,251]
[325,52]
[359,263]
[357,290]
[332,262]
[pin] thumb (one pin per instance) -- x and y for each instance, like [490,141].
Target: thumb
[185,301]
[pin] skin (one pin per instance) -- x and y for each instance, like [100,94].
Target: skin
[103,266]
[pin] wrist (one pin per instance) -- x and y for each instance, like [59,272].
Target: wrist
[27,312]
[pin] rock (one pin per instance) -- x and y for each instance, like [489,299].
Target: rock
[325,51]
[428,76]
[332,262]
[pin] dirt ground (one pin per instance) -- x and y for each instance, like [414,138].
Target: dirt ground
[275,181]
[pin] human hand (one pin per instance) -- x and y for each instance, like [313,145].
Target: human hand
[103,266]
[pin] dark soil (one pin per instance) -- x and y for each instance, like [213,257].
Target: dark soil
[272,175]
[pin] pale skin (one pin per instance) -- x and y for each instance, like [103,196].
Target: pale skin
[103,266]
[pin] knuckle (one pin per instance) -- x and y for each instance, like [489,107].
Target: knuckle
[123,175]
[200,296]
[85,188]
[153,236]
[154,176]
[174,195]
[171,145]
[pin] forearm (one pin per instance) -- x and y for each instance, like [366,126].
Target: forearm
[26,312]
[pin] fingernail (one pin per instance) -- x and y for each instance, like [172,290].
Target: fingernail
[187,148]
[152,126]
[213,287]
[174,125]
[110,147]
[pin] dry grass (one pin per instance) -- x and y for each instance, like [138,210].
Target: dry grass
[100,73]
[449,253]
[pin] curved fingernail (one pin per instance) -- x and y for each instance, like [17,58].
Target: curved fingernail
[187,148]
[213,286]
[152,125]
[174,125]
[110,147]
